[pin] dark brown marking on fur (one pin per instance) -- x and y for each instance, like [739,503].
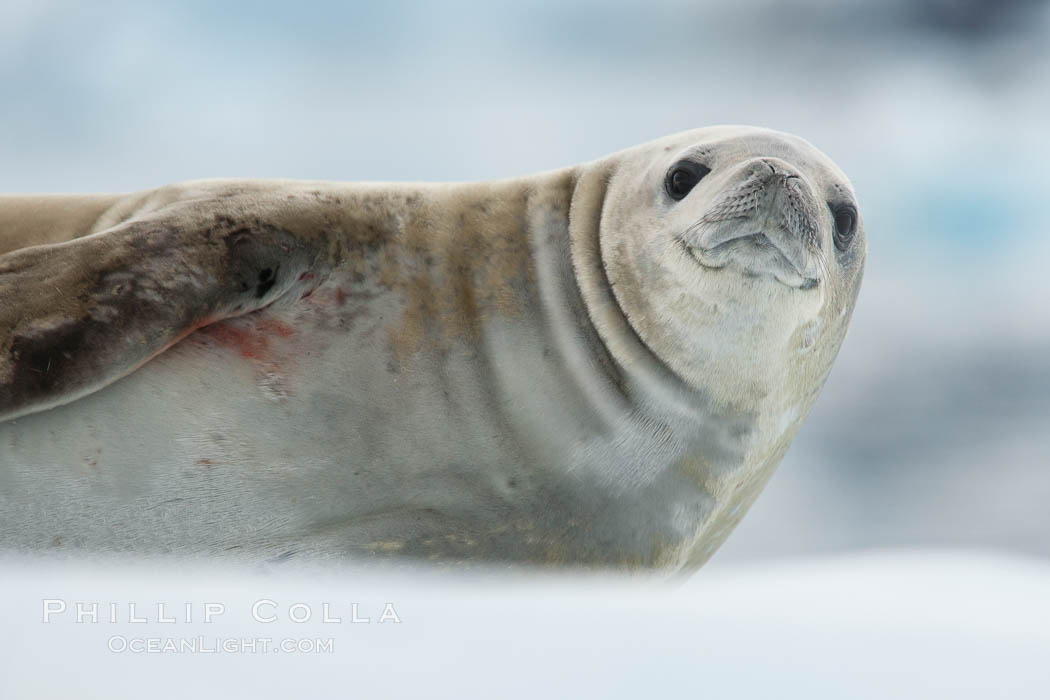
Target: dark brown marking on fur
[43,361]
[102,306]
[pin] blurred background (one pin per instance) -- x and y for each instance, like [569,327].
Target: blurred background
[933,432]
[934,428]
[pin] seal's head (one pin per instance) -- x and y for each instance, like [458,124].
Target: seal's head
[735,254]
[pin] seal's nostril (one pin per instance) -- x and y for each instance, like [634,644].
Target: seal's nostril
[780,169]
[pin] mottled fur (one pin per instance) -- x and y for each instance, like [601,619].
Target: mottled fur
[566,368]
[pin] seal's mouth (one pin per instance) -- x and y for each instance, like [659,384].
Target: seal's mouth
[756,254]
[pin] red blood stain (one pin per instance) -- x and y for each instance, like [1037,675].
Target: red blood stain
[272,325]
[264,343]
[340,296]
[248,342]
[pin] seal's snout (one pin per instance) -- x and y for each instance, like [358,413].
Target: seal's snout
[780,168]
[765,220]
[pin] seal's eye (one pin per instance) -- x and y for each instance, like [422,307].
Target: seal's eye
[845,225]
[683,177]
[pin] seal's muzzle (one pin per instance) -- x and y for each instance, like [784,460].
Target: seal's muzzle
[765,222]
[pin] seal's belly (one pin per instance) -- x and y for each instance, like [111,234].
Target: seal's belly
[312,427]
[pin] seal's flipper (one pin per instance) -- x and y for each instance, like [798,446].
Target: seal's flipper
[76,316]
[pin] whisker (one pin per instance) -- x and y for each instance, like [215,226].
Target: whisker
[823,263]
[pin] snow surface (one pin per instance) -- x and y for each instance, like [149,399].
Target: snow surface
[894,624]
